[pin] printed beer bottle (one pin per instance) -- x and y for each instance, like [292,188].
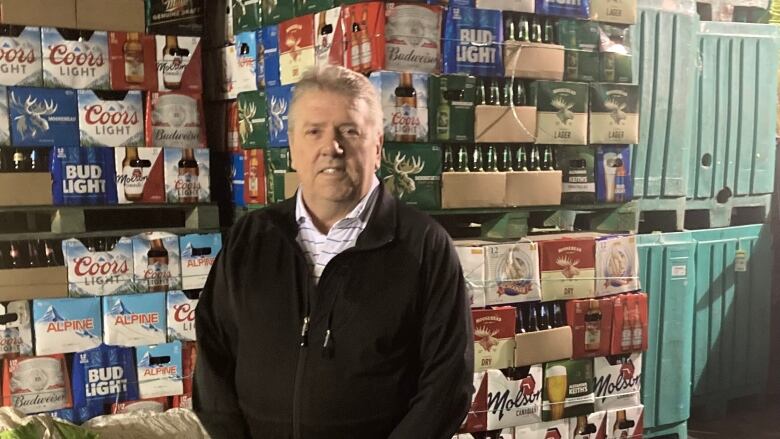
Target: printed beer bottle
[133,175]
[406,110]
[134,59]
[187,186]
[172,60]
[157,272]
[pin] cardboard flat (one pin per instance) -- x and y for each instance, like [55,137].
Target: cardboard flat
[523,59]
[113,15]
[613,11]
[493,124]
[472,189]
[37,189]
[51,13]
[546,188]
[33,283]
[542,346]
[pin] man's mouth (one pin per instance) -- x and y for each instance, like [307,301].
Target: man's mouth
[332,171]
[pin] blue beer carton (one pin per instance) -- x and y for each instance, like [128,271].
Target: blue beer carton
[43,117]
[614,182]
[198,252]
[268,39]
[472,42]
[278,102]
[134,319]
[237,177]
[67,325]
[83,176]
[160,370]
[564,8]
[103,375]
[245,78]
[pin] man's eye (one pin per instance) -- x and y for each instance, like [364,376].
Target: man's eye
[351,132]
[312,131]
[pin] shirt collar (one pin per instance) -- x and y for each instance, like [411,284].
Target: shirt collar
[361,211]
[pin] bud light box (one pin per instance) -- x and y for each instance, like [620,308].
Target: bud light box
[412,38]
[278,102]
[329,38]
[237,178]
[83,176]
[564,8]
[269,41]
[67,325]
[198,252]
[179,64]
[36,384]
[614,181]
[99,273]
[296,48]
[180,17]
[5,128]
[175,120]
[365,45]
[160,370]
[16,332]
[181,315]
[471,43]
[140,176]
[110,118]
[404,100]
[20,56]
[618,381]
[134,319]
[244,76]
[132,61]
[157,266]
[75,59]
[104,375]
[514,400]
[187,175]
[43,117]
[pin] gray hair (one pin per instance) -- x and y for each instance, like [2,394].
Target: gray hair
[338,80]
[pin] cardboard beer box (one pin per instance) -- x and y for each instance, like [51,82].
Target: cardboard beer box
[404,100]
[614,113]
[616,265]
[237,178]
[578,34]
[75,59]
[329,35]
[494,337]
[568,389]
[16,335]
[278,106]
[133,61]
[614,11]
[244,77]
[20,53]
[153,405]
[251,114]
[296,48]
[472,42]
[36,384]
[268,38]
[111,119]
[254,177]
[139,175]
[198,252]
[99,273]
[512,273]
[134,319]
[615,54]
[160,370]
[278,162]
[516,399]
[564,8]
[276,11]
[412,37]
[312,6]
[579,176]
[568,267]
[365,44]
[451,108]
[412,172]
[179,17]
[544,430]
[561,112]
[189,356]
[614,180]
[67,325]
[472,262]
[591,326]
[156,262]
[247,15]
[618,381]
[5,128]
[187,175]
[527,6]
[232,138]
[181,315]
[626,423]
[629,323]
[476,418]
[581,65]
[103,375]
[83,176]
[43,117]
[592,426]
[179,63]
[175,120]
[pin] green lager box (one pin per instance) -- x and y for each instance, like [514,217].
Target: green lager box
[247,15]
[276,11]
[451,105]
[277,161]
[561,112]
[578,34]
[303,7]
[614,114]
[615,67]
[581,65]
[412,172]
[577,164]
[252,126]
[568,389]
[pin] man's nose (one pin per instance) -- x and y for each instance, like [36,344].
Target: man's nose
[331,145]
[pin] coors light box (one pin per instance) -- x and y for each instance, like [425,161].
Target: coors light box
[110,118]
[181,315]
[175,120]
[20,56]
[98,273]
[156,261]
[75,59]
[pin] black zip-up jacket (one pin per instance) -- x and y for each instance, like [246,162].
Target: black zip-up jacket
[386,350]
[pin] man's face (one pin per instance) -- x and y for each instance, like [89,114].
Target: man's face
[335,147]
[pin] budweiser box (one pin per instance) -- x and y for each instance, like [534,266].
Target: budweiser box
[472,262]
[629,323]
[412,172]
[616,265]
[110,118]
[544,430]
[133,61]
[43,117]
[561,112]
[471,42]
[251,114]
[16,329]
[179,17]
[75,59]
[568,389]
[613,11]
[404,100]
[175,120]
[36,384]
[247,15]
[5,128]
[365,46]
[187,175]
[103,273]
[577,164]
[494,337]
[254,177]
[527,6]
[618,381]
[181,315]
[626,423]
[67,325]
[134,319]
[278,162]
[614,180]
[412,37]
[592,426]
[237,173]
[591,326]
[329,37]
[451,108]
[179,63]
[568,267]
[476,418]
[268,44]
[614,113]
[139,175]
[244,75]
[573,9]
[515,399]
[278,106]
[275,11]
[83,176]
[198,252]
[296,48]
[156,262]
[159,370]
[511,273]
[20,52]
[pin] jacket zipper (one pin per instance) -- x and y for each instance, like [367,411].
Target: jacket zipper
[302,351]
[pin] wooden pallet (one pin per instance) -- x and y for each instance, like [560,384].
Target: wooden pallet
[709,213]
[661,214]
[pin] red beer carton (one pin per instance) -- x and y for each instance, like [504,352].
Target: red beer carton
[75,59]
[591,327]
[476,418]
[494,337]
[568,268]
[179,63]
[254,176]
[132,61]
[175,120]
[629,323]
[296,48]
[140,175]
[111,118]
[233,138]
[329,38]
[36,384]
[364,33]
[592,426]
[515,399]
[20,56]
[626,423]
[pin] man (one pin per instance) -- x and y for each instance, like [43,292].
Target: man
[341,312]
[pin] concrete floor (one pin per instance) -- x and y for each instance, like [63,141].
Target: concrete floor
[749,421]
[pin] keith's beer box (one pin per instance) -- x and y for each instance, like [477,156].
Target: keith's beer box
[156,262]
[36,384]
[134,319]
[365,44]
[175,120]
[67,325]
[244,76]
[75,59]
[329,38]
[104,375]
[198,252]
[626,423]
[111,118]
[43,117]
[99,273]
[187,175]
[179,64]
[181,315]
[180,17]
[133,61]
[16,329]
[247,15]
[254,177]
[577,166]
[614,113]
[564,8]
[629,323]
[472,42]
[614,181]
[568,389]
[476,418]
[494,337]
[140,176]
[296,48]
[616,265]
[237,178]
[591,326]
[516,399]
[568,267]
[412,38]
[618,381]
[278,106]
[544,430]
[268,39]
[472,261]
[5,127]
[83,176]
[592,426]
[512,273]
[412,172]
[160,371]
[20,53]
[561,112]
[404,100]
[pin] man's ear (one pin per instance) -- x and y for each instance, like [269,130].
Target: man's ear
[380,143]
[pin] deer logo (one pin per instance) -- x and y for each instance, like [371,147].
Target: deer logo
[278,108]
[569,266]
[32,121]
[400,181]
[487,338]
[245,114]
[616,110]
[564,110]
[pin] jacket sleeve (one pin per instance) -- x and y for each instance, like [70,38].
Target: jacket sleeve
[446,354]
[214,394]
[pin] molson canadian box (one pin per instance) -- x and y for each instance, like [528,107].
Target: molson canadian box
[132,61]
[75,59]
[112,119]
[181,315]
[625,423]
[544,430]
[36,384]
[156,262]
[104,375]
[175,120]
[412,37]
[568,267]
[269,40]
[93,273]
[244,77]
[616,265]
[247,15]
[296,48]
[404,100]
[516,399]
[476,418]
[561,112]
[578,172]
[568,389]
[5,127]
[494,337]
[629,323]
[364,33]
[251,115]
[451,108]
[592,426]
[83,176]
[139,175]
[329,35]
[512,273]
[614,181]
[159,370]
[278,106]
[67,325]
[564,8]
[198,252]
[614,113]
[471,43]
[254,177]
[412,172]
[16,332]
[175,17]
[187,175]
[472,261]
[179,63]
[618,381]
[135,319]
[20,56]
[43,117]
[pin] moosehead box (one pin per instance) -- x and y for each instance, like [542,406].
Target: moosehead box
[133,61]
[614,113]
[568,389]
[577,164]
[43,117]
[472,40]
[269,41]
[494,337]
[412,37]
[134,319]
[412,172]
[251,114]
[578,34]
[276,11]
[139,175]
[451,108]
[404,101]
[99,273]
[247,15]
[75,59]
[564,8]
[278,162]
[296,48]
[112,119]
[329,37]
[20,57]
[278,106]
[614,180]
[581,65]
[561,112]
[67,325]
[175,119]
[179,17]
[179,63]
[82,176]
[567,268]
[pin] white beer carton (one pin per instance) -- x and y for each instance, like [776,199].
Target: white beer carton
[77,59]
[5,127]
[134,320]
[626,423]
[512,402]
[93,273]
[160,370]
[179,65]
[141,179]
[156,264]
[187,181]
[544,430]
[113,119]
[67,325]
[198,252]
[618,381]
[181,316]
[413,37]
[36,384]
[592,426]
[472,262]
[20,58]
[16,333]
[616,265]
[329,38]
[512,273]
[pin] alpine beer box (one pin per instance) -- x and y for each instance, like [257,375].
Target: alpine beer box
[75,59]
